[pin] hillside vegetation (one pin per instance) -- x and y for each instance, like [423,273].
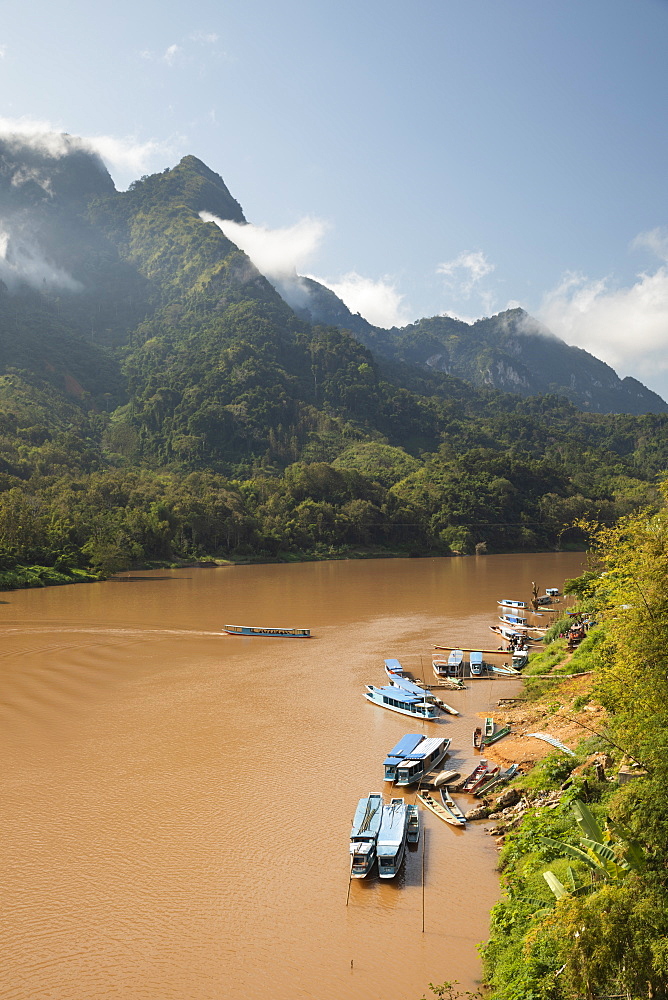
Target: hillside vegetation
[585,906]
[160,401]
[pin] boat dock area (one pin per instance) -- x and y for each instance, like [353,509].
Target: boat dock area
[489,652]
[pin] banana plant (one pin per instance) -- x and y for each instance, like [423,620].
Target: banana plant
[611,855]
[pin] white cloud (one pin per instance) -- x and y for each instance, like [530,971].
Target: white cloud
[205,37]
[379,302]
[126,155]
[281,255]
[20,263]
[276,253]
[170,54]
[627,327]
[655,240]
[466,270]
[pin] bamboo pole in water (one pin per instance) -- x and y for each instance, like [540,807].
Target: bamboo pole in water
[424,844]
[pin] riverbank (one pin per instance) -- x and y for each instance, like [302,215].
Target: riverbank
[24,577]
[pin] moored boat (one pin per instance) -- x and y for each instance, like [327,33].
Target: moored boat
[478,738]
[506,603]
[396,755]
[397,700]
[272,633]
[413,823]
[498,735]
[364,834]
[452,807]
[476,776]
[420,761]
[391,843]
[489,728]
[476,664]
[514,620]
[429,802]
[497,779]
[455,663]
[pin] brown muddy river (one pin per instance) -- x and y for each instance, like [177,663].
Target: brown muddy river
[177,802]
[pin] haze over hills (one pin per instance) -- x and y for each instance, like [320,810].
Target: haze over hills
[159,397]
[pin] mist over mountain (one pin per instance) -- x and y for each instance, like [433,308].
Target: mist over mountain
[159,396]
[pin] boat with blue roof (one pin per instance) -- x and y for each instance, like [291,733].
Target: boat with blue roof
[515,620]
[396,675]
[454,666]
[417,764]
[397,700]
[406,745]
[392,837]
[364,834]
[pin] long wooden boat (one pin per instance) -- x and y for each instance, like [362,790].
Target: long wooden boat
[451,806]
[475,777]
[498,735]
[489,728]
[413,823]
[506,669]
[478,738]
[506,603]
[396,700]
[496,780]
[392,836]
[364,834]
[272,633]
[438,809]
[419,762]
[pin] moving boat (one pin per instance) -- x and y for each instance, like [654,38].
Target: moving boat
[392,836]
[413,823]
[451,806]
[285,633]
[429,802]
[396,755]
[416,765]
[512,604]
[401,701]
[364,834]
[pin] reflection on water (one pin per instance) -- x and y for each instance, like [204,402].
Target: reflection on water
[177,802]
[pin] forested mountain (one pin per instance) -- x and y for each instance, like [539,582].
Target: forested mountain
[159,398]
[510,351]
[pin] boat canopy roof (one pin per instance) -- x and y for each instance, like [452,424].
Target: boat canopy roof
[405,745]
[398,694]
[428,745]
[456,656]
[410,686]
[392,827]
[393,664]
[475,657]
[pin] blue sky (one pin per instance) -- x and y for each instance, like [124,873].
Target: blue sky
[453,156]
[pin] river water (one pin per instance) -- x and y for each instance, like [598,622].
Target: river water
[177,802]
